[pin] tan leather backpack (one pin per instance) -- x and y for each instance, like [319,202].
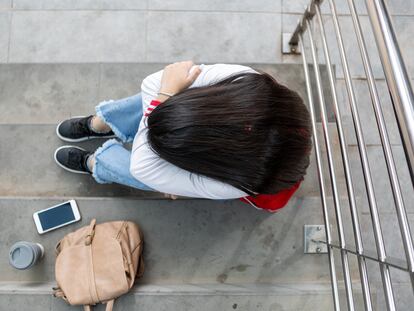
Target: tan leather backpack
[98,263]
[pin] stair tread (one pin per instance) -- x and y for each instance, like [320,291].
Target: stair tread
[187,241]
[48,93]
[35,97]
[279,289]
[187,301]
[31,170]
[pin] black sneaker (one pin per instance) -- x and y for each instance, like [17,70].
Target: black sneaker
[77,129]
[73,159]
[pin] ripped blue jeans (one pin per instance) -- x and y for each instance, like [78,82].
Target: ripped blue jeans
[112,160]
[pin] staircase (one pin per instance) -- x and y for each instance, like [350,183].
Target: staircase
[200,254]
[56,62]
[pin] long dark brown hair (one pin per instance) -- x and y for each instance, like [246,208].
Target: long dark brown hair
[247,130]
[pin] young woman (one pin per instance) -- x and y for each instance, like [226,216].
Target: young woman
[209,131]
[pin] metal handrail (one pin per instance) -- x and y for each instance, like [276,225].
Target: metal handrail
[395,74]
[389,159]
[379,240]
[402,97]
[338,212]
[344,153]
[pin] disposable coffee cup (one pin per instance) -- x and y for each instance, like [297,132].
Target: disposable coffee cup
[24,255]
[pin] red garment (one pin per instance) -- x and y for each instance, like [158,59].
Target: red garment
[154,103]
[272,202]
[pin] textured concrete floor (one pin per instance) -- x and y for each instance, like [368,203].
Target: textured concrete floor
[162,31]
[38,96]
[191,241]
[244,246]
[193,297]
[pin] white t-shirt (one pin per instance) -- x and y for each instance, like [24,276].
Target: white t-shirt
[150,169]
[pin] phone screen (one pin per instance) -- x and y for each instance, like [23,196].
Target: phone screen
[56,216]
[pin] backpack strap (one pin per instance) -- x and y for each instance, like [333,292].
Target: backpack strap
[57,292]
[90,233]
[109,306]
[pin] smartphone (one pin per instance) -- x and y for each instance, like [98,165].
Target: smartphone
[56,216]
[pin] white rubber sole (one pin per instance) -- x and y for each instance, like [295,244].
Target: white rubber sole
[79,139]
[64,167]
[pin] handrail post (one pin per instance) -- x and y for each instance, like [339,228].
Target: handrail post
[395,74]
[301,26]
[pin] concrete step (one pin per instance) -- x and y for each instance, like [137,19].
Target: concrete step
[49,93]
[35,97]
[187,241]
[31,170]
[187,297]
[200,254]
[207,297]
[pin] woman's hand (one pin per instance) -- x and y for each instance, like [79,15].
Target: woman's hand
[177,77]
